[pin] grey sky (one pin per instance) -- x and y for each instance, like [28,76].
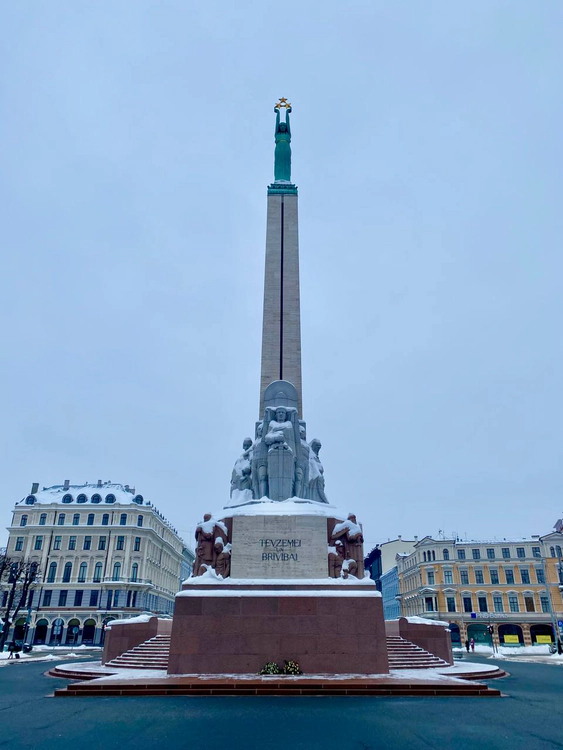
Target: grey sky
[136,146]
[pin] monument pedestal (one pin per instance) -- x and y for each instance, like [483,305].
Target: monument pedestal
[236,628]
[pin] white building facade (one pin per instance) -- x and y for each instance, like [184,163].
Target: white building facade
[104,553]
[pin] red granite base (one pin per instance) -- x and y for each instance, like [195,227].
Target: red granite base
[237,633]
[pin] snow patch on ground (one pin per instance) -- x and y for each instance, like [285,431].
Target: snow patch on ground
[424,621]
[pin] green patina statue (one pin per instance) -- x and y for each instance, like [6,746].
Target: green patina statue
[282,154]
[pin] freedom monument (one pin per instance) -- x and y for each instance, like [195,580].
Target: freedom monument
[279,570]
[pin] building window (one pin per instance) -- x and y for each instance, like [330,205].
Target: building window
[540,577]
[98,572]
[529,604]
[57,542]
[87,542]
[76,519]
[82,572]
[38,543]
[23,522]
[536,552]
[67,572]
[102,543]
[476,554]
[483,604]
[464,577]
[52,573]
[544,603]
[467,604]
[116,571]
[96,498]
[461,554]
[134,571]
[110,498]
[509,573]
[137,547]
[61,520]
[47,598]
[78,598]
[429,603]
[520,552]
[43,519]
[433,554]
[67,499]
[558,550]
[93,598]
[525,575]
[105,519]
[494,576]
[430,577]
[140,523]
[497,603]
[90,519]
[479,576]
[490,553]
[450,602]
[552,551]
[448,577]
[506,553]
[19,544]
[62,598]
[134,602]
[513,603]
[123,519]
[72,542]
[120,543]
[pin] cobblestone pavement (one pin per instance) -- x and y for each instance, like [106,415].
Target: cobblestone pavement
[529,718]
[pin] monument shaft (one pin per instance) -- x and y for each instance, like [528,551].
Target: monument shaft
[281,328]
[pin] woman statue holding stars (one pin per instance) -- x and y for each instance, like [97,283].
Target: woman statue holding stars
[282,154]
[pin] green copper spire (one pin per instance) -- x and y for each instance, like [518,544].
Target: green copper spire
[282,154]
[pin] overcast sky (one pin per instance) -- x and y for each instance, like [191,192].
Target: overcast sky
[136,144]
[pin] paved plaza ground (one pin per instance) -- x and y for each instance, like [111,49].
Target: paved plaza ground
[529,718]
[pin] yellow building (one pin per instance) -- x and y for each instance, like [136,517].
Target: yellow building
[512,585]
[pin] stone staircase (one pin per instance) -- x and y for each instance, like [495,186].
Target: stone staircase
[152,654]
[405,655]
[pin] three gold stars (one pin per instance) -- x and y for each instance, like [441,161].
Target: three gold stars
[282,103]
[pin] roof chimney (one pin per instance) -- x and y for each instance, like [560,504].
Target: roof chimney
[126,488]
[66,484]
[415,538]
[99,483]
[399,537]
[34,487]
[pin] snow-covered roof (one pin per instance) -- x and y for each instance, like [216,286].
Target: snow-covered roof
[77,494]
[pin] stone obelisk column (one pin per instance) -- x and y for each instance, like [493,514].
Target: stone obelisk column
[281,327]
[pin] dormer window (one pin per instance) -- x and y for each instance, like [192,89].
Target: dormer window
[139,499]
[30,499]
[96,498]
[82,498]
[67,498]
[110,498]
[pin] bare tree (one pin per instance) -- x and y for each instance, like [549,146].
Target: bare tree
[17,577]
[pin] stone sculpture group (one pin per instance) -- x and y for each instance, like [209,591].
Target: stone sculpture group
[279,464]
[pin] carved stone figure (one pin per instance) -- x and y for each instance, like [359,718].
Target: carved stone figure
[282,439]
[259,465]
[222,558]
[302,464]
[335,560]
[209,533]
[241,477]
[316,473]
[349,532]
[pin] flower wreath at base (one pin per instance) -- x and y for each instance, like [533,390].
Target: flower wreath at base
[289,667]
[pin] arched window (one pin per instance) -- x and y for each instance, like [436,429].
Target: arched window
[98,572]
[76,519]
[61,520]
[43,519]
[67,572]
[552,551]
[96,498]
[139,520]
[558,550]
[424,554]
[110,498]
[116,571]
[67,498]
[52,572]
[81,498]
[433,555]
[105,519]
[90,519]
[134,571]
[138,499]
[123,519]
[82,572]
[30,500]
[23,522]
[446,554]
